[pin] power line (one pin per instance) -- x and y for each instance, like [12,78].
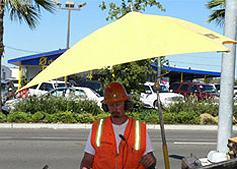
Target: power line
[22,50]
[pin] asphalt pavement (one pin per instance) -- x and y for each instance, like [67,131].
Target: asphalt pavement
[88,126]
[64,148]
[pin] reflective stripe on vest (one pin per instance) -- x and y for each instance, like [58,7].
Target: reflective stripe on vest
[99,132]
[137,135]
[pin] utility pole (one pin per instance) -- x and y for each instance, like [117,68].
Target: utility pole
[227,86]
[227,79]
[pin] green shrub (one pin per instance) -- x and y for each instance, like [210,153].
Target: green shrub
[48,118]
[192,104]
[53,105]
[19,117]
[169,118]
[64,117]
[187,118]
[102,116]
[38,117]
[27,105]
[84,118]
[152,119]
[89,106]
[85,111]
[3,118]
[134,115]
[143,115]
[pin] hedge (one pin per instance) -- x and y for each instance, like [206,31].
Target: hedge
[61,110]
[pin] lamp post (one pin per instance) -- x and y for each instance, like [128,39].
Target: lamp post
[69,5]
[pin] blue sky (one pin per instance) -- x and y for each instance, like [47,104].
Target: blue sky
[51,32]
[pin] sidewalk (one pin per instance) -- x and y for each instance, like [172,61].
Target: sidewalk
[88,126]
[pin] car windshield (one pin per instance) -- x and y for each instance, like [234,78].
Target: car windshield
[163,89]
[208,89]
[59,84]
[58,92]
[95,93]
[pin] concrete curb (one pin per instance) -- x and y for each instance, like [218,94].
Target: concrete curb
[88,126]
[44,125]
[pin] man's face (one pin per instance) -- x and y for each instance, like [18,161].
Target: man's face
[116,109]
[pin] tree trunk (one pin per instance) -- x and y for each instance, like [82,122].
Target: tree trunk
[2,5]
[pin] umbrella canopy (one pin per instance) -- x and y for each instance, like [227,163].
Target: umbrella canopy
[134,37]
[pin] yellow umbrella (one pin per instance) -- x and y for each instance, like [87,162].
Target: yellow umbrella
[134,37]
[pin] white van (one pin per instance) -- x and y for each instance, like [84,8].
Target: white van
[44,87]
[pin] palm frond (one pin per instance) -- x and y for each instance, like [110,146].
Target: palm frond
[217,16]
[218,11]
[215,3]
[48,5]
[28,10]
[26,13]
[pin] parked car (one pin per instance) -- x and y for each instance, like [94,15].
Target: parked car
[79,92]
[95,85]
[7,90]
[68,92]
[45,87]
[9,105]
[201,90]
[218,87]
[149,96]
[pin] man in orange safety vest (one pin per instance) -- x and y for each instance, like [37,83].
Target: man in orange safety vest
[118,142]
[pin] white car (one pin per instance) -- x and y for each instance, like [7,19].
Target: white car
[81,92]
[149,96]
[45,87]
[68,92]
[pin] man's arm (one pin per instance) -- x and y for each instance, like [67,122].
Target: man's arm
[87,161]
[148,160]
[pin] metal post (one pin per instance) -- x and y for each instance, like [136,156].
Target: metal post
[227,80]
[164,145]
[68,27]
[90,75]
[19,79]
[205,78]
[68,38]
[69,6]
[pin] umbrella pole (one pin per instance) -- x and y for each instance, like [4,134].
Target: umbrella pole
[164,145]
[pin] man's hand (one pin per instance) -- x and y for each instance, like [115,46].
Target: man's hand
[87,161]
[148,160]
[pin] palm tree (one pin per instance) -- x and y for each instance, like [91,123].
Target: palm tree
[218,12]
[27,10]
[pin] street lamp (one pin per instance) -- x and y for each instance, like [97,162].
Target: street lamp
[69,5]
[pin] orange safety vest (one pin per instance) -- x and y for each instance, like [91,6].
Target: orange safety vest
[104,142]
